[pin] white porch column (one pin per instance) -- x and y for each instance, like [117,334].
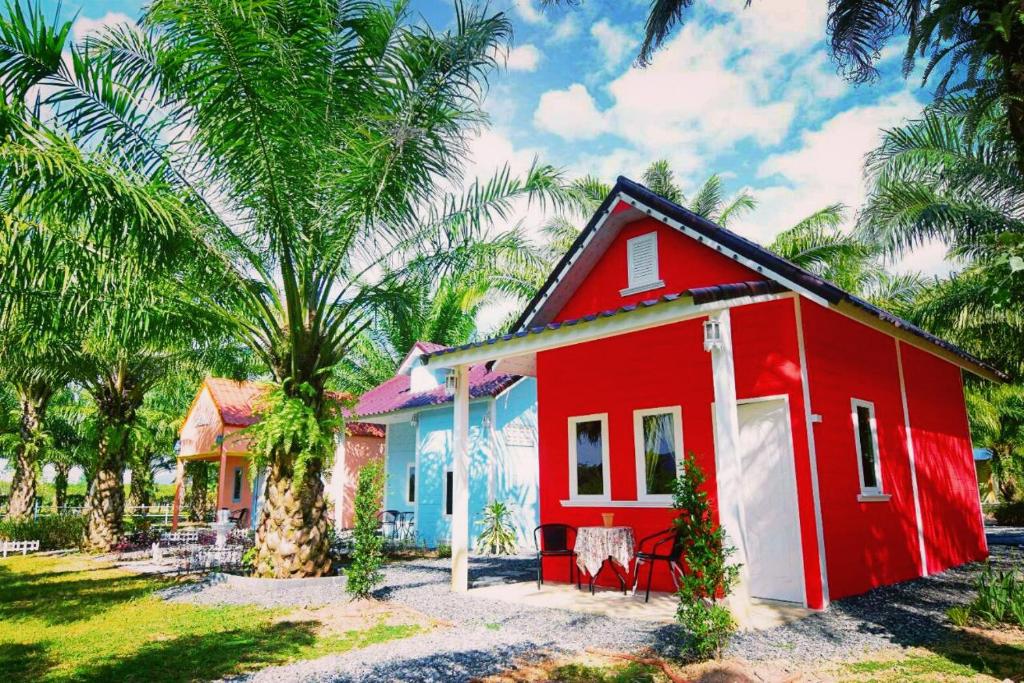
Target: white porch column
[460,482]
[728,467]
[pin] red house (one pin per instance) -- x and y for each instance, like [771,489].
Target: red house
[834,434]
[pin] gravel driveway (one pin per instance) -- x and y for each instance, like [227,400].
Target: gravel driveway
[488,636]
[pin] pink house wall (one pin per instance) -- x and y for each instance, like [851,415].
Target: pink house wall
[359,450]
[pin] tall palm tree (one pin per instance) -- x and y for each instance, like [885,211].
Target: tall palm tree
[309,144]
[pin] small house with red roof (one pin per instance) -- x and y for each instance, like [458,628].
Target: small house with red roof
[833,434]
[213,431]
[415,409]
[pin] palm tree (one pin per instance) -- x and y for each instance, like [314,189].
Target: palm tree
[307,146]
[997,423]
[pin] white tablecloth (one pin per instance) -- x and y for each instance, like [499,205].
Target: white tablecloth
[595,544]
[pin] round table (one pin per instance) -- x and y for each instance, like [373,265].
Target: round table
[598,546]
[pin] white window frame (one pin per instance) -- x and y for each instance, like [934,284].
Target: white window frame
[410,470]
[444,491]
[638,443]
[635,287]
[605,459]
[867,492]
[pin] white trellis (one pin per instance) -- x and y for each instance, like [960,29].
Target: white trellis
[23,547]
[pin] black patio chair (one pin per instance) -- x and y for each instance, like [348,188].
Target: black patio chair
[405,525]
[240,517]
[555,540]
[665,546]
[388,522]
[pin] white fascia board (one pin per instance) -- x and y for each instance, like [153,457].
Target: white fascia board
[662,313]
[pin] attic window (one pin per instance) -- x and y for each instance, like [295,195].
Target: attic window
[642,264]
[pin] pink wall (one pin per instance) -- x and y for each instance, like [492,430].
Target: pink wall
[359,450]
[226,484]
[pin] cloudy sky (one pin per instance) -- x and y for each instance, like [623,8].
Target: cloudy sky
[748,93]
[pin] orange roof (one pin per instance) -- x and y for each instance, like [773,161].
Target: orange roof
[237,401]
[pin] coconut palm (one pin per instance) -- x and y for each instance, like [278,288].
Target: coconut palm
[997,423]
[309,144]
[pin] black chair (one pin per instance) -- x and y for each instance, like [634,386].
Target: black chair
[665,546]
[240,517]
[405,526]
[555,540]
[388,521]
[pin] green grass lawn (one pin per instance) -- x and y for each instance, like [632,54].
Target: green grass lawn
[73,619]
[971,657]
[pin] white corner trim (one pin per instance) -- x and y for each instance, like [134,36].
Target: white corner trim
[918,518]
[605,503]
[809,422]
[656,284]
[873,497]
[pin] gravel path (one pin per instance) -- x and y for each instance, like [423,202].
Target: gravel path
[487,636]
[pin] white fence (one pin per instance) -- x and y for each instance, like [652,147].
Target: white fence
[23,547]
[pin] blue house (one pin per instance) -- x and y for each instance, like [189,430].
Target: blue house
[415,407]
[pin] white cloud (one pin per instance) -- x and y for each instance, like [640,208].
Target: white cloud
[85,26]
[524,58]
[826,167]
[565,29]
[570,113]
[613,43]
[528,13]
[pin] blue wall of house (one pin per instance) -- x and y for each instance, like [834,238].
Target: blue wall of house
[503,463]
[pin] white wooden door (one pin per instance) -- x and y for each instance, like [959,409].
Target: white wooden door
[770,518]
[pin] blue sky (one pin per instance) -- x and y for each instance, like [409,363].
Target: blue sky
[748,93]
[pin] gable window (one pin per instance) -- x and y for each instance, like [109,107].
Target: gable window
[236,491]
[449,488]
[589,477]
[642,264]
[658,435]
[410,484]
[869,466]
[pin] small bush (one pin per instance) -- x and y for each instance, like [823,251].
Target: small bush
[1009,514]
[709,576]
[444,549]
[497,537]
[54,532]
[367,542]
[960,615]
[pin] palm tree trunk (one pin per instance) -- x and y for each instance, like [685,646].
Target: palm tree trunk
[199,483]
[60,485]
[291,538]
[141,491]
[33,399]
[117,402]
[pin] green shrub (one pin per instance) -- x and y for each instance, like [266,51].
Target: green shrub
[709,576]
[444,549]
[54,532]
[960,615]
[497,536]
[367,542]
[1009,514]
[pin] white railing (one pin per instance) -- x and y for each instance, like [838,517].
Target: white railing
[23,547]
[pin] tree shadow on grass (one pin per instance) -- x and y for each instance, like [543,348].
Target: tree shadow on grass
[64,602]
[208,657]
[23,661]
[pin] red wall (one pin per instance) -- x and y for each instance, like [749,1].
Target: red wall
[946,478]
[872,543]
[766,354]
[683,264]
[665,366]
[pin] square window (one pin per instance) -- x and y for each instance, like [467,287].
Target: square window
[659,441]
[588,457]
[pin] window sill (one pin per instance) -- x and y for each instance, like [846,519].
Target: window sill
[616,503]
[657,284]
[873,497]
